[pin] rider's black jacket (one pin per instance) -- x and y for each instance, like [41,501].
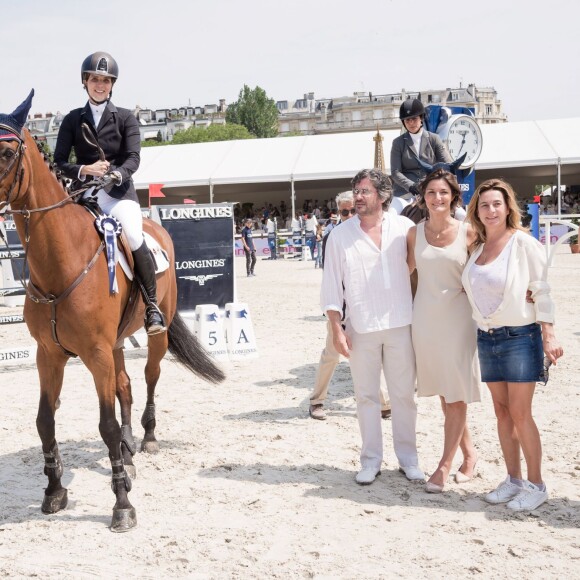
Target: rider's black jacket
[118,136]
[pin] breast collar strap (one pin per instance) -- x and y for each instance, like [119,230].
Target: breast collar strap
[39,298]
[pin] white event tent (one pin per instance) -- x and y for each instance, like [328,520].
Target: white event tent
[320,166]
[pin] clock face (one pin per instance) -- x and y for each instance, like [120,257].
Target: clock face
[464,136]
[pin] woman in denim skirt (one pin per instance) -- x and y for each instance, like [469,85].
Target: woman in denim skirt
[513,333]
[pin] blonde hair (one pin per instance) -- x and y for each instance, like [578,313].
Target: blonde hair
[514,217]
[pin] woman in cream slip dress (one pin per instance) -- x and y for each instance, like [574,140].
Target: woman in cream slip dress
[444,332]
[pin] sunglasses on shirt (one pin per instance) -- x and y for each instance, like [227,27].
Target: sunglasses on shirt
[345,212]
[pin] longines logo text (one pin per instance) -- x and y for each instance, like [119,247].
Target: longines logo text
[192,264]
[14,354]
[195,213]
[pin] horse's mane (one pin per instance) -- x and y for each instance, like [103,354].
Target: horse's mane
[49,161]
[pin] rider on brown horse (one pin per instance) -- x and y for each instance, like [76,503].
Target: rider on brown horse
[112,152]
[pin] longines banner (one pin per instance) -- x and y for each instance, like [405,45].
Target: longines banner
[14,252]
[203,236]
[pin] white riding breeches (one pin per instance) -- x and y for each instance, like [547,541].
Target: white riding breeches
[128,212]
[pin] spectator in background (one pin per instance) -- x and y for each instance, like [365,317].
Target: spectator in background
[249,248]
[319,236]
[310,223]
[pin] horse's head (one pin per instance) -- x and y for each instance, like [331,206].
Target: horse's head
[12,150]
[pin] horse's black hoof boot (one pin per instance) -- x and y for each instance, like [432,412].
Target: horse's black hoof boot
[54,503]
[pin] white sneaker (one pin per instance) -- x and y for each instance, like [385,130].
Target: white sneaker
[529,498]
[412,473]
[504,492]
[366,475]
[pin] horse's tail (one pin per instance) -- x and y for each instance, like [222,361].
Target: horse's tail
[185,347]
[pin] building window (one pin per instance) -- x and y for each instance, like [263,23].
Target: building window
[488,109]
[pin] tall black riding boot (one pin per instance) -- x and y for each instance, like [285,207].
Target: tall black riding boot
[145,272]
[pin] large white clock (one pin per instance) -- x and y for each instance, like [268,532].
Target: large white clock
[461,134]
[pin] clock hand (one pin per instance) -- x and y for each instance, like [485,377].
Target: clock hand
[462,144]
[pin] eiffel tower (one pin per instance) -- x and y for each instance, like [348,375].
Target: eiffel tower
[379,153]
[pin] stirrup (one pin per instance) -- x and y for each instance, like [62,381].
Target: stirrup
[154,322]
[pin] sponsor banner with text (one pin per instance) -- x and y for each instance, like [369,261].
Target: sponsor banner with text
[203,237]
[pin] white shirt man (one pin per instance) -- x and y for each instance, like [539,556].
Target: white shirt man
[330,358]
[367,269]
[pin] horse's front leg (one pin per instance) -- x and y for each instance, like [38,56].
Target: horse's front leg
[50,371]
[123,386]
[102,367]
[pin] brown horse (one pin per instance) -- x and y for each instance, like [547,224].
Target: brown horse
[69,310]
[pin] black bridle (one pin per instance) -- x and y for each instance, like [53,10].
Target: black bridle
[18,158]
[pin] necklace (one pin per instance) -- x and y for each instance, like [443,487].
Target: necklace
[434,233]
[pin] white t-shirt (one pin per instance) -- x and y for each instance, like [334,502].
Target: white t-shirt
[488,281]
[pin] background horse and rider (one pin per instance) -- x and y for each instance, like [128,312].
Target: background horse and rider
[70,311]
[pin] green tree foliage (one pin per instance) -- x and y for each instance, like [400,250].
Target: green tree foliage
[227,132]
[255,111]
[154,143]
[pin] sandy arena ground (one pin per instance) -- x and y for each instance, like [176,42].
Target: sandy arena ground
[247,485]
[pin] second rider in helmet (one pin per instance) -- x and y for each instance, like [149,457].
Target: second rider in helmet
[406,171]
[117,132]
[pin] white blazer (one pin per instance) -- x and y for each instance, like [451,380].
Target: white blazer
[527,270]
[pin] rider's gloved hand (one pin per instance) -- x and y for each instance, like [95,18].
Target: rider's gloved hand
[109,180]
[117,177]
[415,191]
[106,182]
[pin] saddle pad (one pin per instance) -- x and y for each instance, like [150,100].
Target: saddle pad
[159,255]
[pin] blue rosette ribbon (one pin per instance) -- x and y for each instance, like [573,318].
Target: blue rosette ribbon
[110,228]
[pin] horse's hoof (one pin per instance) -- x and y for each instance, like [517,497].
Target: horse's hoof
[123,520]
[149,446]
[131,471]
[54,503]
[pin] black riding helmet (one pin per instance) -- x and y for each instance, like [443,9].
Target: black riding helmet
[411,108]
[100,63]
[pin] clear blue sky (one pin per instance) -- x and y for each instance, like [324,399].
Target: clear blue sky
[173,52]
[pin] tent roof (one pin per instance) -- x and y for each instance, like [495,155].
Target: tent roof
[341,155]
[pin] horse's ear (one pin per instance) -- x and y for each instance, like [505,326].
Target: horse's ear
[20,114]
[455,165]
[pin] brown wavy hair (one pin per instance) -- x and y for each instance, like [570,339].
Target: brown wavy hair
[514,218]
[451,181]
[381,182]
